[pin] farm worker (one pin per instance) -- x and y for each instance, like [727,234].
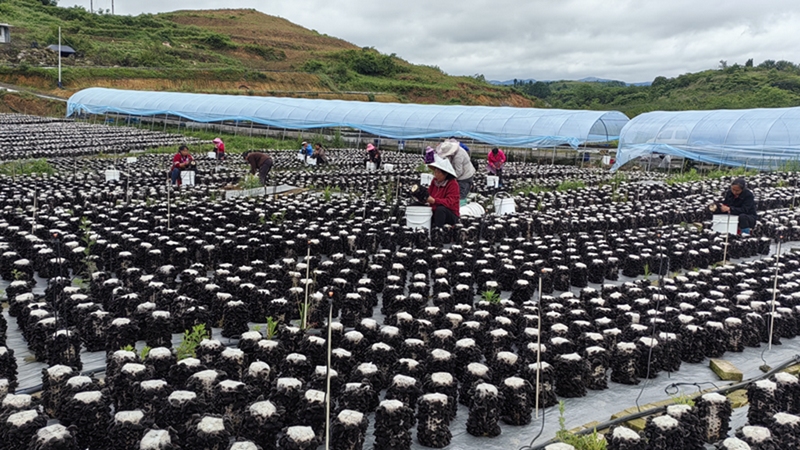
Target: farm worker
[219,148]
[495,162]
[182,160]
[320,154]
[306,150]
[259,162]
[459,159]
[460,144]
[373,155]
[443,193]
[740,201]
[429,153]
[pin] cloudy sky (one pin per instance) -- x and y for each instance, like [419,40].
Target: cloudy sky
[630,40]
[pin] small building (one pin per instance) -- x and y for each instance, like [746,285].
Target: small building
[5,33]
[66,50]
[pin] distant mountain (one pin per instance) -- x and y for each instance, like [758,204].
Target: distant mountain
[582,80]
[511,82]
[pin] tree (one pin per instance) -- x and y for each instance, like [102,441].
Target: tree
[749,63]
[50,2]
[767,64]
[539,89]
[784,65]
[723,64]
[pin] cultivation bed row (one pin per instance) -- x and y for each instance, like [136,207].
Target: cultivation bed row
[416,325]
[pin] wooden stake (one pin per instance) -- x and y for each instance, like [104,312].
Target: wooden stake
[774,292]
[539,348]
[328,382]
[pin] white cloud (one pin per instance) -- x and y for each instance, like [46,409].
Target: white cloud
[631,40]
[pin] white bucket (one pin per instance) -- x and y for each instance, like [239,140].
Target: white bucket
[311,161]
[211,155]
[503,206]
[607,160]
[721,224]
[472,210]
[425,179]
[388,167]
[492,181]
[112,175]
[131,159]
[419,217]
[187,177]
[371,166]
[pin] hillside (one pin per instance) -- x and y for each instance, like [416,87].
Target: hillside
[768,85]
[221,51]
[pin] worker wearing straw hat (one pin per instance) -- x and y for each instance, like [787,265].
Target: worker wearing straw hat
[443,193]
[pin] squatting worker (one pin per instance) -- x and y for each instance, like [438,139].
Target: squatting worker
[259,162]
[459,160]
[741,202]
[181,161]
[443,193]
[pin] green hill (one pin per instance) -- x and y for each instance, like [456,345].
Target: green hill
[220,51]
[768,85]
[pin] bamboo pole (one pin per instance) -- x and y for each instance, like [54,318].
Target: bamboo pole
[539,348]
[774,292]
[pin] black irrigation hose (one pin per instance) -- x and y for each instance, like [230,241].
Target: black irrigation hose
[794,360]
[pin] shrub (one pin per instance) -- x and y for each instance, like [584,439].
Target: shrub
[218,41]
[266,53]
[191,339]
[370,62]
[313,66]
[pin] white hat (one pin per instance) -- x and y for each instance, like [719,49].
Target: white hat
[448,148]
[443,164]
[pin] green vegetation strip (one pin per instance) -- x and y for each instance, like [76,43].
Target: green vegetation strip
[26,167]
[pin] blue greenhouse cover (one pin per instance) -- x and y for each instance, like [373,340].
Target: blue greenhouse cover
[506,126]
[759,138]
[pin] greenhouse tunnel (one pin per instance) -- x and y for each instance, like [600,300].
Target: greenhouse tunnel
[504,126]
[765,139]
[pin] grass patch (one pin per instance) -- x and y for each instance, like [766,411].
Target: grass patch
[28,167]
[793,165]
[570,185]
[693,175]
[531,189]
[250,182]
[592,441]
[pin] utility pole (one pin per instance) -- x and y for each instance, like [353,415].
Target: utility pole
[112,7]
[91,6]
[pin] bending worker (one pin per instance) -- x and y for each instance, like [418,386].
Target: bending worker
[459,160]
[740,201]
[259,162]
[443,193]
[495,162]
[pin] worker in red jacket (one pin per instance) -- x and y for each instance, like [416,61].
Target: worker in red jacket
[495,162]
[443,193]
[181,161]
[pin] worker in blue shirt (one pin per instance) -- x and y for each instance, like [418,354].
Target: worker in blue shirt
[306,150]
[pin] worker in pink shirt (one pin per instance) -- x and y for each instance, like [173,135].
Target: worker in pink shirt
[496,160]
